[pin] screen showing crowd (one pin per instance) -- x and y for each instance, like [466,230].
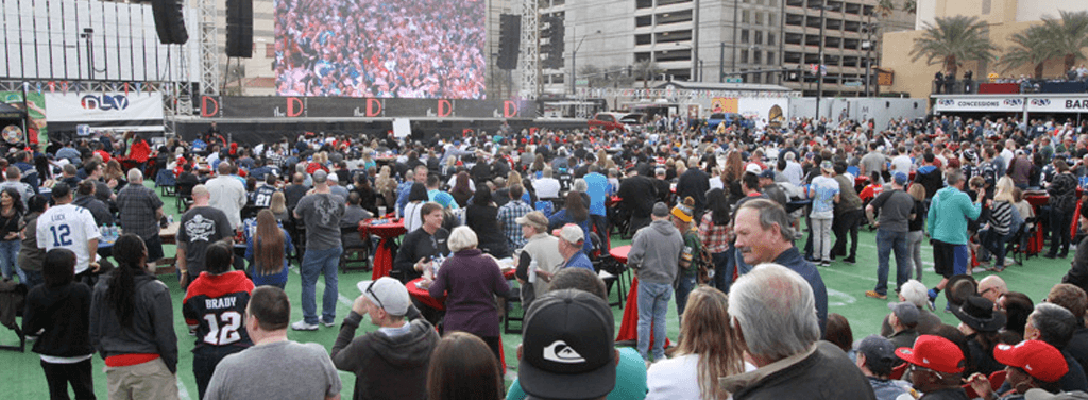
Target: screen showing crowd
[369,48]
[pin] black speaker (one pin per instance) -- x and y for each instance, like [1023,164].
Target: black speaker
[169,21]
[240,28]
[509,41]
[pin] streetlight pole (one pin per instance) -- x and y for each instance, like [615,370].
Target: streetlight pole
[868,53]
[88,33]
[574,63]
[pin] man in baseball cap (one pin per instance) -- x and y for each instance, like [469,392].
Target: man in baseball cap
[571,243]
[875,359]
[391,361]
[1030,364]
[937,366]
[567,350]
[539,247]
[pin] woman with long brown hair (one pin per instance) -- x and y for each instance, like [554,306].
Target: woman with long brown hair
[708,350]
[462,367]
[732,175]
[462,189]
[267,252]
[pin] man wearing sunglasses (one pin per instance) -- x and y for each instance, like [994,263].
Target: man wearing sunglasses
[936,366]
[390,363]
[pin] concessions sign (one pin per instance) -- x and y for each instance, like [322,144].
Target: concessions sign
[341,107]
[1059,104]
[103,107]
[979,104]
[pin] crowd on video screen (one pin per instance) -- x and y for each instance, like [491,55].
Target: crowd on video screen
[368,48]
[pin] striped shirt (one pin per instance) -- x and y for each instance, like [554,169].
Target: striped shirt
[1000,216]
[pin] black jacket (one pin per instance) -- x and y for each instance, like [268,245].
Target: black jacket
[99,210]
[152,328]
[385,367]
[60,314]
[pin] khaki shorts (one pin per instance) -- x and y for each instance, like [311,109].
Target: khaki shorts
[150,380]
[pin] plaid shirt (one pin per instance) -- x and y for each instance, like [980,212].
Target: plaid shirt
[137,204]
[508,215]
[713,236]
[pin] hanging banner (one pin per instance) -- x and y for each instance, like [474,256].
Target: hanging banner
[1077,104]
[99,107]
[979,104]
[723,105]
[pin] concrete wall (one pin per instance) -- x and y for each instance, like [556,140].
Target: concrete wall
[877,108]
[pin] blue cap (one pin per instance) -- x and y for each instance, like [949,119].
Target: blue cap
[900,178]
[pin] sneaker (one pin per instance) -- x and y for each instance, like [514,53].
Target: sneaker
[850,261]
[303,326]
[329,324]
[875,295]
[825,263]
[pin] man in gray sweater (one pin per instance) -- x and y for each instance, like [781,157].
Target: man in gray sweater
[655,255]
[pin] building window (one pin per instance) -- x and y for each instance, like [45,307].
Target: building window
[772,19]
[744,36]
[644,21]
[770,39]
[642,57]
[770,58]
[744,56]
[757,57]
[745,16]
[758,38]
[757,18]
[641,4]
[643,40]
[269,50]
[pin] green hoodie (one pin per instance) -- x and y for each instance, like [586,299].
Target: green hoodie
[948,215]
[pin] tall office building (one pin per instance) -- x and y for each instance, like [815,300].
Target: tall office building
[758,41]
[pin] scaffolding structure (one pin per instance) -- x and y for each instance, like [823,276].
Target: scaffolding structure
[530,50]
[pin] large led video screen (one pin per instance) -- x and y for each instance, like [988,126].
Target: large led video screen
[420,49]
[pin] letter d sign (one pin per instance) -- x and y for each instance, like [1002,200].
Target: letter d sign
[509,108]
[295,107]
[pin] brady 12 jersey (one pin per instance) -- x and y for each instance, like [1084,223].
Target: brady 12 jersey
[214,309]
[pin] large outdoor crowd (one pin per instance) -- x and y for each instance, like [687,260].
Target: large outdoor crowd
[715,216]
[365,48]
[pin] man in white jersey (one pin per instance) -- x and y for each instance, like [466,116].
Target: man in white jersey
[72,227]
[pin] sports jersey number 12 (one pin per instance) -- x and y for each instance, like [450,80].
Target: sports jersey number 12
[228,333]
[61,235]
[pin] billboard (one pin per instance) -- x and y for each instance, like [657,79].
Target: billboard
[104,107]
[420,49]
[36,102]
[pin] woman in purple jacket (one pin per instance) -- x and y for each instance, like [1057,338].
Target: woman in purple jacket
[470,280]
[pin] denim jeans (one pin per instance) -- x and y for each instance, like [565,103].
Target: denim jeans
[653,302]
[686,285]
[914,252]
[886,241]
[314,263]
[723,269]
[9,252]
[995,244]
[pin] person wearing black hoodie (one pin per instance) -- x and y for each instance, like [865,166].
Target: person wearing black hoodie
[57,312]
[390,363]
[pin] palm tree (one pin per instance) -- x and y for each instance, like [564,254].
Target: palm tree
[910,6]
[1032,48]
[646,70]
[884,8]
[953,41]
[1068,35]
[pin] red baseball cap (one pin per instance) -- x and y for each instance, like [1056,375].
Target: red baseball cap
[933,352]
[1039,359]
